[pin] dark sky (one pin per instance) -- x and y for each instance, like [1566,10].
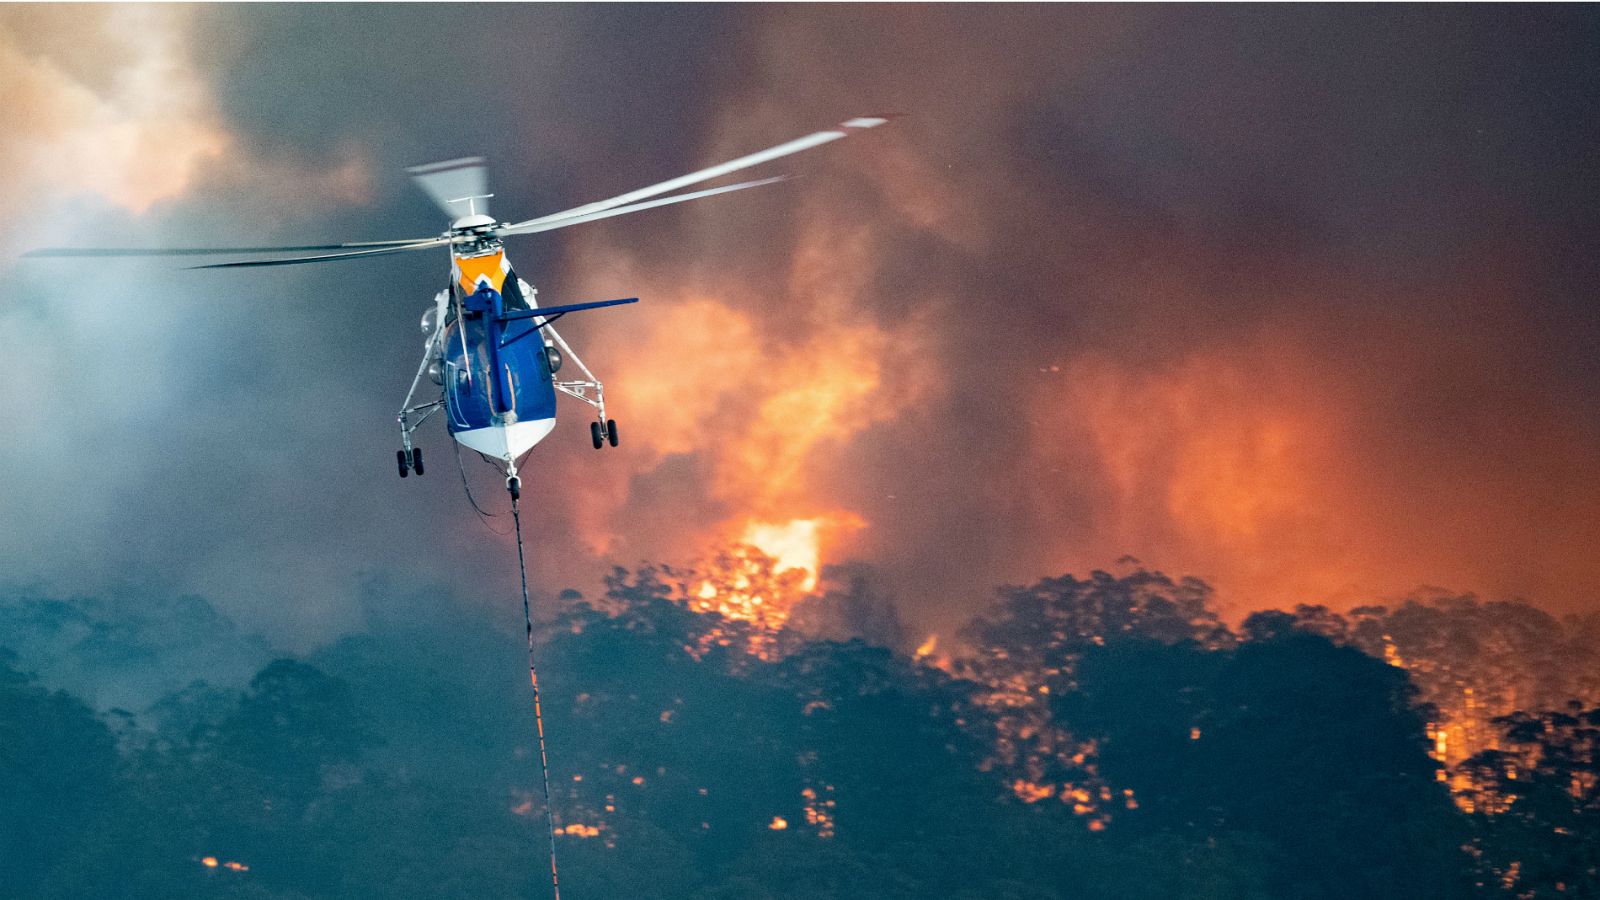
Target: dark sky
[1299,300]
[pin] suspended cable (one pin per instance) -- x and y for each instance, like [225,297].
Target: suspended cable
[514,485]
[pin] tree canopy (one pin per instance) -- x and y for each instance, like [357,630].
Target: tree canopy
[1099,737]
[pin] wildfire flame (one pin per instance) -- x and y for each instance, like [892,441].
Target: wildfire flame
[760,576]
[792,545]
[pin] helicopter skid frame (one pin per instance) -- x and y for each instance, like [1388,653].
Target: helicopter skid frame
[580,388]
[407,425]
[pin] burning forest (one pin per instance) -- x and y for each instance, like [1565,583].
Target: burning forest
[723,730]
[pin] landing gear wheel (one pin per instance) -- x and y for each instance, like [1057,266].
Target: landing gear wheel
[416,459]
[594,435]
[405,465]
[611,435]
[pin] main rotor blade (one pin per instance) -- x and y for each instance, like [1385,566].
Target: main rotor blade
[297,260]
[205,251]
[816,139]
[535,227]
[458,186]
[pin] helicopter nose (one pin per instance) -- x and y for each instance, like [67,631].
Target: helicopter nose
[482,299]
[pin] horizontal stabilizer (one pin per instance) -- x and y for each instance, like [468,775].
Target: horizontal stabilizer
[550,312]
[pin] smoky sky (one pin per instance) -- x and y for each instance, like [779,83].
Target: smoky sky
[1299,300]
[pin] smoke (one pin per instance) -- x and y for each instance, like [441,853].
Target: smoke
[1089,301]
[99,101]
[1294,301]
[112,137]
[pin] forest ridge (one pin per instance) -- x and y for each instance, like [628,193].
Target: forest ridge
[1104,736]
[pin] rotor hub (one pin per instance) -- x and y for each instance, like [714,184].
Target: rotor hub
[474,223]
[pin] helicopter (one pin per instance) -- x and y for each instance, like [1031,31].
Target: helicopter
[491,350]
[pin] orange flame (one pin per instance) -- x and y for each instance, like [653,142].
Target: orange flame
[792,545]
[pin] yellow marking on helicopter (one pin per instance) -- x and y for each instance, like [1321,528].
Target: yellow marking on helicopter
[471,270]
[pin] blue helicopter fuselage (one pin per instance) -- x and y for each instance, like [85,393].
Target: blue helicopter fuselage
[498,389]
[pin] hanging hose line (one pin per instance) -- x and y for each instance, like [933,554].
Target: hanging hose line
[483,515]
[514,485]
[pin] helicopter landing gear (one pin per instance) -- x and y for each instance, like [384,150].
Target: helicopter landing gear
[602,430]
[602,434]
[409,457]
[408,460]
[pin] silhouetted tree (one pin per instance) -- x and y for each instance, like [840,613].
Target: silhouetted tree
[851,603]
[1537,803]
[698,755]
[58,778]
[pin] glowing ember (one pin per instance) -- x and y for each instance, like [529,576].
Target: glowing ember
[819,810]
[928,646]
[211,862]
[778,823]
[1029,792]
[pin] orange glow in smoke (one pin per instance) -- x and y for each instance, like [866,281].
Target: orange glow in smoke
[1201,466]
[1298,457]
[763,413]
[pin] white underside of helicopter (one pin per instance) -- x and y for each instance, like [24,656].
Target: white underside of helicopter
[509,441]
